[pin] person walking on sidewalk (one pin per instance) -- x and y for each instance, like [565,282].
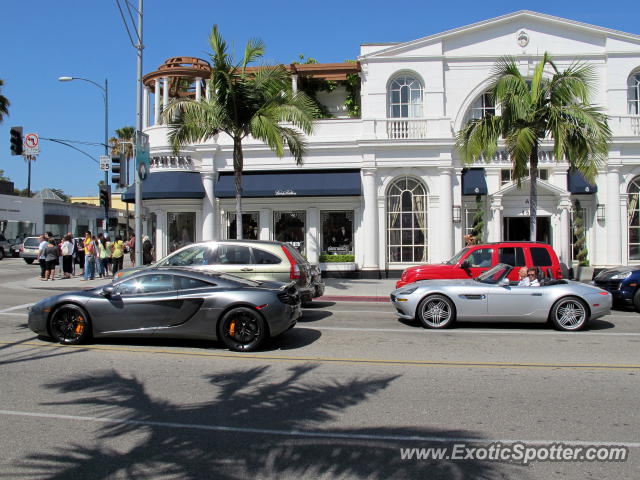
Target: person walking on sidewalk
[51,258]
[132,250]
[41,255]
[117,255]
[147,251]
[102,258]
[89,257]
[67,256]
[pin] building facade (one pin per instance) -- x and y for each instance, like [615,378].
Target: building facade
[386,189]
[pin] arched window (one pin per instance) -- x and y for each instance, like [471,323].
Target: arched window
[406,221]
[405,97]
[482,106]
[633,93]
[633,219]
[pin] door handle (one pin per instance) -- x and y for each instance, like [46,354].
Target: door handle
[536,294]
[246,269]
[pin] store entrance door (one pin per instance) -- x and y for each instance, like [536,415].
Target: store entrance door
[516,229]
[291,227]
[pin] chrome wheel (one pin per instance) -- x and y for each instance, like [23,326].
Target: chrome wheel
[436,311]
[569,314]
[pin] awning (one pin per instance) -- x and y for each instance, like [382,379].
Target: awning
[292,183]
[473,182]
[576,183]
[167,185]
[51,219]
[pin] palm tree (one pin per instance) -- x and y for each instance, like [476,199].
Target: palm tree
[123,143]
[534,110]
[242,104]
[4,104]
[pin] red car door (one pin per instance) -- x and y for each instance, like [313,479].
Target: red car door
[477,261]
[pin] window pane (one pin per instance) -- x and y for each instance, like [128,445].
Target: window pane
[394,237]
[194,256]
[419,254]
[395,111]
[634,235]
[634,252]
[156,283]
[337,232]
[540,257]
[407,254]
[186,283]
[264,258]
[480,258]
[182,229]
[519,257]
[249,225]
[507,255]
[406,201]
[407,237]
[404,111]
[394,254]
[406,220]
[418,237]
[233,255]
[395,96]
[290,227]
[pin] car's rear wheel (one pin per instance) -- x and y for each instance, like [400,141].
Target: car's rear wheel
[569,314]
[242,329]
[69,324]
[29,260]
[436,311]
[636,301]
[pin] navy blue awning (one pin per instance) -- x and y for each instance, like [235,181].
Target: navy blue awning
[576,183]
[167,185]
[473,182]
[292,183]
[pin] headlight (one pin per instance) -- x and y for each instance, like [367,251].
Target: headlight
[408,291]
[621,276]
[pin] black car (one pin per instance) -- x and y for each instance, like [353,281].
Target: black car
[623,283]
[172,302]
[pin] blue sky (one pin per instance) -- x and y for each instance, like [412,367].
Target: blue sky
[41,40]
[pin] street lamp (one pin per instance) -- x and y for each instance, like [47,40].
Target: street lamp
[105,95]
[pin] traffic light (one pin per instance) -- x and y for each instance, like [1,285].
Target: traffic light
[105,196]
[119,170]
[16,140]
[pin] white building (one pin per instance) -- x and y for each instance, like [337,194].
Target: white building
[387,187]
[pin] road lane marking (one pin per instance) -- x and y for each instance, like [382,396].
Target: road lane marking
[371,361]
[17,307]
[427,331]
[311,433]
[14,314]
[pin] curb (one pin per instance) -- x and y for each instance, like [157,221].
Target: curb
[352,298]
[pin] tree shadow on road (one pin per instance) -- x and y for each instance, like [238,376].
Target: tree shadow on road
[259,424]
[28,353]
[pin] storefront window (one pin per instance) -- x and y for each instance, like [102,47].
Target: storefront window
[181,229]
[337,232]
[16,231]
[290,227]
[249,225]
[58,230]
[633,219]
[407,221]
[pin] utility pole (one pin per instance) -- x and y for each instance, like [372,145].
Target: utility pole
[138,184]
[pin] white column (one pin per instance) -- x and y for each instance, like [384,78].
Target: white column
[198,88]
[612,220]
[370,219]
[165,92]
[208,206]
[156,103]
[294,83]
[265,224]
[565,247]
[160,240]
[207,93]
[145,108]
[313,234]
[74,225]
[445,228]
[495,235]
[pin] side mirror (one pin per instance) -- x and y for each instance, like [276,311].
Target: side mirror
[107,291]
[504,282]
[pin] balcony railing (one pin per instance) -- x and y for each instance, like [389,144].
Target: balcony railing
[625,125]
[404,128]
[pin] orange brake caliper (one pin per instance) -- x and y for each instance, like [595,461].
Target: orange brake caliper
[80,325]
[232,328]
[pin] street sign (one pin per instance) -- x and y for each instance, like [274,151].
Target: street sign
[143,161]
[105,163]
[31,144]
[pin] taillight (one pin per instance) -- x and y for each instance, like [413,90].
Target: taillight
[22,249]
[294,273]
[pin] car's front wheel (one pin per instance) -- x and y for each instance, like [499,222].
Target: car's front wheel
[569,314]
[436,311]
[242,329]
[69,324]
[636,301]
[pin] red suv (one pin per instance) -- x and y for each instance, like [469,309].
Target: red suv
[472,261]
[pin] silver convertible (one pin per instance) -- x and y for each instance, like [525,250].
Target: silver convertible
[491,297]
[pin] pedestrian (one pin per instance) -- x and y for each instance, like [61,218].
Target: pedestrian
[117,255]
[147,251]
[67,251]
[89,257]
[51,258]
[41,255]
[132,250]
[103,256]
[79,249]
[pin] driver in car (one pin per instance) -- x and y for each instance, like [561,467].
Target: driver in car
[528,277]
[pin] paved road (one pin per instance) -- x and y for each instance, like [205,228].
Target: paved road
[337,397]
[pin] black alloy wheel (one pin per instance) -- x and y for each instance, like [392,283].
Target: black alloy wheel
[242,329]
[69,324]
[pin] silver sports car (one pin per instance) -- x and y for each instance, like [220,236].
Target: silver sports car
[490,297]
[172,302]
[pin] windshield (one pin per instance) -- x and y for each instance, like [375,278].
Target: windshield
[457,257]
[31,242]
[495,274]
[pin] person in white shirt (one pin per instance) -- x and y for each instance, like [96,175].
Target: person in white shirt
[528,277]
[41,255]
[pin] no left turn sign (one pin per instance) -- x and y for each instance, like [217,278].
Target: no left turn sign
[31,144]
